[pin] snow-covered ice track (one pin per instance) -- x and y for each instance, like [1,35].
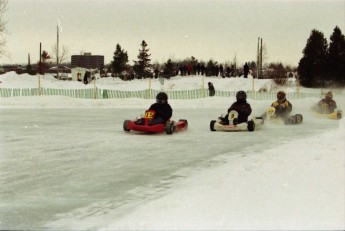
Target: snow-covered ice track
[56,162]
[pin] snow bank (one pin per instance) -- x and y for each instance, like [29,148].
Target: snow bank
[297,185]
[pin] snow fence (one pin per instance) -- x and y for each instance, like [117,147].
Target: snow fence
[96,93]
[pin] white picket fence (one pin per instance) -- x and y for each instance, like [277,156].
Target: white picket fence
[144,94]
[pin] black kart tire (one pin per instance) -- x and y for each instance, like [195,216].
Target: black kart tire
[339,115]
[212,125]
[169,127]
[251,125]
[125,126]
[299,118]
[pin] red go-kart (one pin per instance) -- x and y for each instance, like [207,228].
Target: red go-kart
[169,127]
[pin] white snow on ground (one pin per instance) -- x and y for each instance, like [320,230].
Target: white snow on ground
[297,184]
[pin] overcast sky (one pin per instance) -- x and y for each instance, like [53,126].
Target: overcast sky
[205,29]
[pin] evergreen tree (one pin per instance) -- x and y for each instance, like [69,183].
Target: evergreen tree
[277,72]
[43,65]
[169,68]
[336,57]
[120,60]
[143,67]
[312,66]
[29,69]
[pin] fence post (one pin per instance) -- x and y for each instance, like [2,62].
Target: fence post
[94,88]
[298,87]
[253,92]
[39,85]
[150,88]
[203,88]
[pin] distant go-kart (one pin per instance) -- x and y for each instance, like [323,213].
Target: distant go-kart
[253,124]
[336,114]
[169,127]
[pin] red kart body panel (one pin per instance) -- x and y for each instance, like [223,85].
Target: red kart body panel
[169,126]
[156,128]
[181,125]
[149,114]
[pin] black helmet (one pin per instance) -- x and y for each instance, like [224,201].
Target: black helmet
[241,96]
[162,97]
[281,95]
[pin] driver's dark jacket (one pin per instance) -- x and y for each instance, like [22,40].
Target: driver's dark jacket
[326,105]
[243,108]
[163,111]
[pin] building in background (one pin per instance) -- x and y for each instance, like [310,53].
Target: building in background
[88,61]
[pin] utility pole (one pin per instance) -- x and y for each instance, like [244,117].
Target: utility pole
[39,76]
[261,59]
[40,64]
[258,60]
[57,54]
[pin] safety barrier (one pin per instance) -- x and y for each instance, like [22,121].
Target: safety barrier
[144,94]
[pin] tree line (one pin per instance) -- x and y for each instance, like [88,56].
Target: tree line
[322,65]
[143,68]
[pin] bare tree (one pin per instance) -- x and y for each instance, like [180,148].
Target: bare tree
[264,54]
[63,54]
[3,28]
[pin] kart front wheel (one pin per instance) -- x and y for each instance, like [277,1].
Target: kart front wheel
[184,121]
[251,125]
[125,126]
[212,125]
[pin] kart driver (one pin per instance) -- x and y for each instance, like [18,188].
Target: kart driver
[282,106]
[241,107]
[327,105]
[162,108]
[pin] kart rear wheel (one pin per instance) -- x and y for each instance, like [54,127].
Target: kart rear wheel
[212,125]
[339,114]
[169,127]
[299,118]
[251,125]
[125,126]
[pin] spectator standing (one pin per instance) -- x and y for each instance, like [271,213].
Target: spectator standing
[245,70]
[211,89]
[221,70]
